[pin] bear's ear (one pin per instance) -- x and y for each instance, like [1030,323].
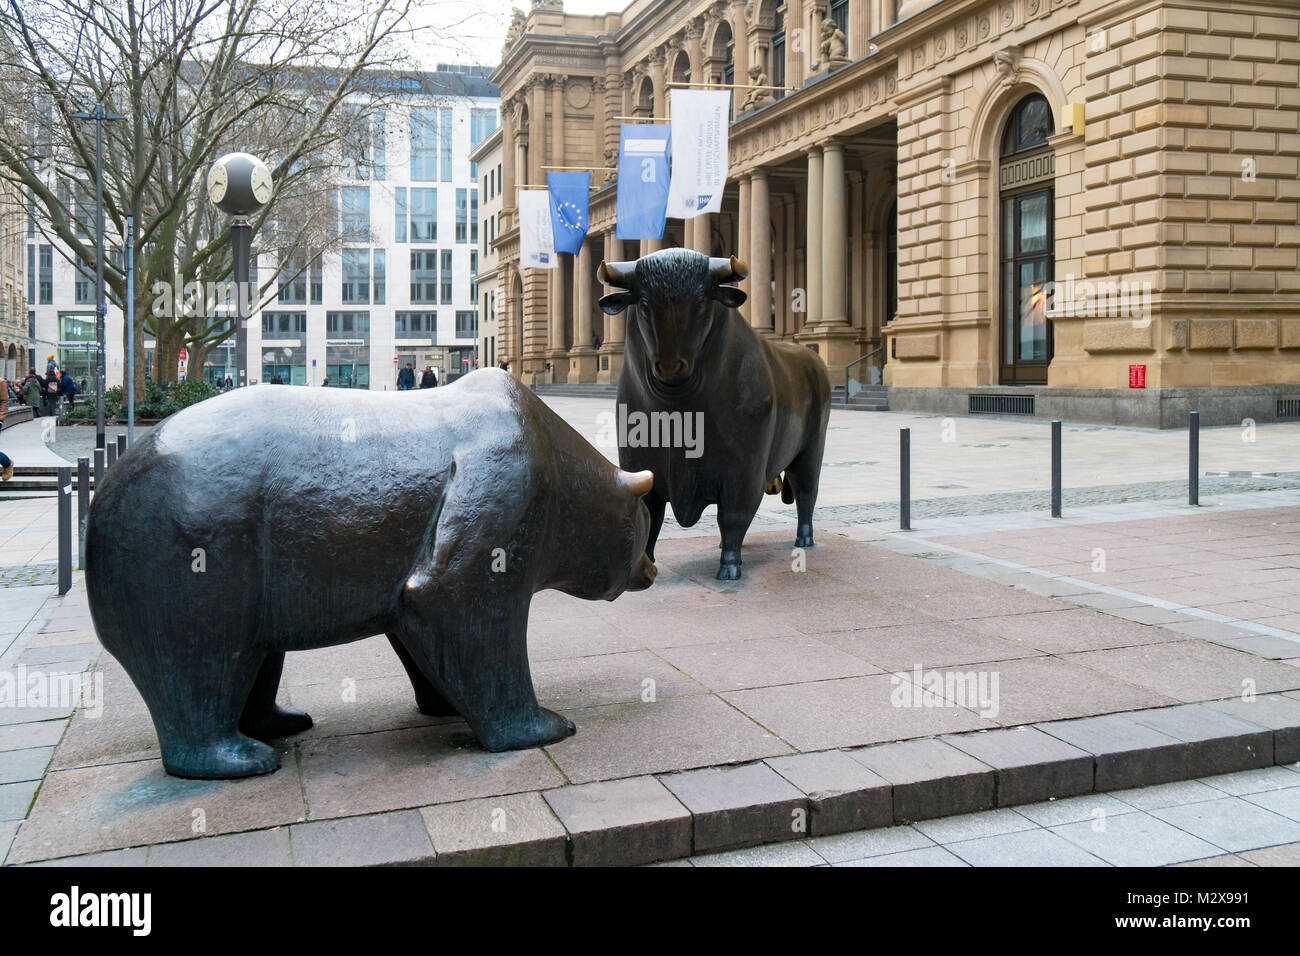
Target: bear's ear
[616,302]
[728,295]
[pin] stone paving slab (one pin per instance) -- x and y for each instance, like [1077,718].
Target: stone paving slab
[817,663]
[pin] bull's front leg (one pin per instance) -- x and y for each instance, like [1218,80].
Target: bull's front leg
[734,519]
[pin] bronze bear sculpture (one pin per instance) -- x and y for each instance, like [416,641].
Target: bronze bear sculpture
[761,406]
[269,520]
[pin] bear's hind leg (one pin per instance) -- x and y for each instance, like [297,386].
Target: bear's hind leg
[428,699]
[263,718]
[196,707]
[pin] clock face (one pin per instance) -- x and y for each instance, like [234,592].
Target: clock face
[218,179]
[261,183]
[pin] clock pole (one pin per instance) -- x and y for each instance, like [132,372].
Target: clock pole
[241,242]
[240,185]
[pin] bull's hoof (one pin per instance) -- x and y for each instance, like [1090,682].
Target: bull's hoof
[804,539]
[239,756]
[277,722]
[434,705]
[729,572]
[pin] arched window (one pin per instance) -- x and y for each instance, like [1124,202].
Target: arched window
[778,53]
[1026,177]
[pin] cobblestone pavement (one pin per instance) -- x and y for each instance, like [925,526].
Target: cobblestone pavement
[1250,818]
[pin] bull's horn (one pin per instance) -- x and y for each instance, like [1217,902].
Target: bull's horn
[723,271]
[639,483]
[616,273]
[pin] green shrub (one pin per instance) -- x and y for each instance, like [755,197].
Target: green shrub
[158,401]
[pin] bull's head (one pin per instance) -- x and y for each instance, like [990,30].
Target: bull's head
[675,291]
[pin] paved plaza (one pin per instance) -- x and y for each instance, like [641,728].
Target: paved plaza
[939,697]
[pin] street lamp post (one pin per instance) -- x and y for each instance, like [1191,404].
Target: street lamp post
[240,185]
[101,303]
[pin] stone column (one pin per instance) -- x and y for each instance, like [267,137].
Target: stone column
[660,84]
[739,46]
[743,226]
[702,237]
[536,132]
[794,59]
[509,144]
[558,355]
[611,349]
[582,357]
[760,251]
[813,279]
[835,237]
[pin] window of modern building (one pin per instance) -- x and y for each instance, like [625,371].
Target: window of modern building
[424,143]
[356,213]
[1026,178]
[446,276]
[462,214]
[83,290]
[284,325]
[46,276]
[293,284]
[317,282]
[347,324]
[444,144]
[76,360]
[424,215]
[424,276]
[473,215]
[356,275]
[482,124]
[473,275]
[416,325]
[31,274]
[380,277]
[364,152]
[288,362]
[399,214]
[466,324]
[348,366]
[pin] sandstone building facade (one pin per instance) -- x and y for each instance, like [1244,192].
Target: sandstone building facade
[1077,208]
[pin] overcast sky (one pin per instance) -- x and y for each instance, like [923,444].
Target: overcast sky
[472,31]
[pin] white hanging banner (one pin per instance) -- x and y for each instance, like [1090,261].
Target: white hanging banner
[536,239]
[699,148]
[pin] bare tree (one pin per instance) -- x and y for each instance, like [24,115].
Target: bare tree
[192,79]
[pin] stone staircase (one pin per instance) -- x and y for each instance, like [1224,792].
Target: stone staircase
[588,390]
[870,398]
[37,480]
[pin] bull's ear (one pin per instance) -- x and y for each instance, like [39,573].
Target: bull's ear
[616,302]
[728,295]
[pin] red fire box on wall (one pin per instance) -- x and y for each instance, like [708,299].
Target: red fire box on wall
[1137,376]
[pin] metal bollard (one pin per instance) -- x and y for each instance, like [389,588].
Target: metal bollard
[65,530]
[1056,469]
[1194,460]
[112,455]
[121,445]
[905,479]
[99,466]
[83,506]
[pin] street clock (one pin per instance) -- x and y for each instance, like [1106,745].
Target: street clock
[239,184]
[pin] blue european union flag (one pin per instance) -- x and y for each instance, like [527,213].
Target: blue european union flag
[642,180]
[568,193]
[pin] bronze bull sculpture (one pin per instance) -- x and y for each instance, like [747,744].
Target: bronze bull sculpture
[271,519]
[761,406]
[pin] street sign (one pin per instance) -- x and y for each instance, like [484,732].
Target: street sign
[184,355]
[465,360]
[313,363]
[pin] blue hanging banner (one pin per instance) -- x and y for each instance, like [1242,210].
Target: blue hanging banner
[642,180]
[568,194]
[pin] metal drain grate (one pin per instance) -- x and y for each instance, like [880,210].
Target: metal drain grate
[1002,404]
[1288,408]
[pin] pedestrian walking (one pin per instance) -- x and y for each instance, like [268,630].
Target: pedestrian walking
[50,394]
[32,388]
[429,379]
[406,378]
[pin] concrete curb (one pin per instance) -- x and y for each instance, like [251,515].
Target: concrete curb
[668,816]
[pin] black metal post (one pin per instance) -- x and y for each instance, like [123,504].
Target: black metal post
[1056,469]
[241,242]
[83,506]
[112,456]
[905,479]
[99,466]
[65,530]
[121,445]
[1194,460]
